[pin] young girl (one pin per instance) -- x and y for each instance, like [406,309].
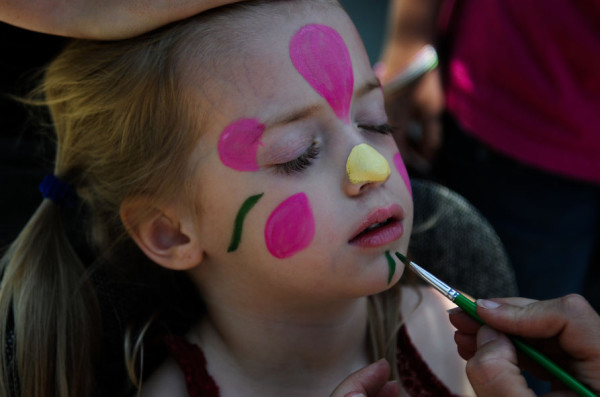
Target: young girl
[247,149]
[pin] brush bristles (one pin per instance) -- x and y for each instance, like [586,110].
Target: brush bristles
[402,258]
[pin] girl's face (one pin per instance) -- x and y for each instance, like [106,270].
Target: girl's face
[301,188]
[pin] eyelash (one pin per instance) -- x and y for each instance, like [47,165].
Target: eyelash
[384,129]
[301,163]
[306,159]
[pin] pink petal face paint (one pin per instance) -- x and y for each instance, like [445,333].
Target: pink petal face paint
[402,170]
[320,55]
[238,144]
[291,227]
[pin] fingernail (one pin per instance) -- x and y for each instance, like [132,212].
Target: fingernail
[486,304]
[486,335]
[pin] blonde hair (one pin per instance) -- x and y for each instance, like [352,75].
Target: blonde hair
[119,118]
[123,129]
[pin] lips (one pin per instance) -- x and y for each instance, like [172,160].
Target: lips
[380,227]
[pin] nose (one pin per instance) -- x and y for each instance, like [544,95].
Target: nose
[365,167]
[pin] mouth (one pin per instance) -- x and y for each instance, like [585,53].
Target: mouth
[380,227]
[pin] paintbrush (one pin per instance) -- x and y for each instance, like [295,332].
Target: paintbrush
[471,309]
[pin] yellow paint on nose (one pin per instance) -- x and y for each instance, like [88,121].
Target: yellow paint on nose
[365,164]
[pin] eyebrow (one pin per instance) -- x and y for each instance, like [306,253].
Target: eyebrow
[308,111]
[369,86]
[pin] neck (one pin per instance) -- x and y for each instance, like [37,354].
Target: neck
[316,350]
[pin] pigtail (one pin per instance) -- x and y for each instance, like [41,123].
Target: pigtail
[49,308]
[385,320]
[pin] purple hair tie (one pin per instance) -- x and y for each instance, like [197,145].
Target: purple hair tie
[58,191]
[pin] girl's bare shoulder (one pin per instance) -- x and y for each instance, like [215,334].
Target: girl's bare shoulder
[167,380]
[425,311]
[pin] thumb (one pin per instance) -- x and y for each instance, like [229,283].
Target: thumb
[493,369]
[570,318]
[370,381]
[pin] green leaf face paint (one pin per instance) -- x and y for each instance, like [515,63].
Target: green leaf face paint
[391,266]
[239,221]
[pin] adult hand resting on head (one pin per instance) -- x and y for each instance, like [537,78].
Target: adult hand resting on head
[370,381]
[566,329]
[100,20]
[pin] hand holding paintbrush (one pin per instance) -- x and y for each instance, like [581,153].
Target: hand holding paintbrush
[568,326]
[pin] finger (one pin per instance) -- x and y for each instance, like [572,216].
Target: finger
[571,319]
[368,381]
[465,339]
[466,344]
[463,322]
[390,389]
[514,301]
[493,370]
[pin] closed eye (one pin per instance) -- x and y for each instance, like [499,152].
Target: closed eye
[385,129]
[301,163]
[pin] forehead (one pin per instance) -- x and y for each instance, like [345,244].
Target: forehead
[254,68]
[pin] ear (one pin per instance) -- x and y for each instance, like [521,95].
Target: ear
[163,234]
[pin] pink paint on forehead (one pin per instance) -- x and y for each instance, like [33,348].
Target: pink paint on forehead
[291,227]
[402,170]
[320,55]
[238,144]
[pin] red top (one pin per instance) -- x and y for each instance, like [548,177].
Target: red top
[416,377]
[523,78]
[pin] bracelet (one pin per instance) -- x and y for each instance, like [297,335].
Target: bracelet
[422,62]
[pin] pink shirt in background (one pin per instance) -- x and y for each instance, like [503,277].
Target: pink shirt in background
[524,77]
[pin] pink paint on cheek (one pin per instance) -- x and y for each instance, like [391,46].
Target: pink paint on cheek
[238,144]
[402,170]
[291,227]
[320,55]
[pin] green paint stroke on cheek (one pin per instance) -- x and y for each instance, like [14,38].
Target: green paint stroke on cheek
[391,266]
[239,221]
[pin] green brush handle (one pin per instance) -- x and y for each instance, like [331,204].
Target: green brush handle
[471,309]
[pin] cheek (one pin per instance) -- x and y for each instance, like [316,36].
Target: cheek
[291,227]
[402,170]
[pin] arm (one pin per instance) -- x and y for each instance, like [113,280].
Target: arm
[370,381]
[411,25]
[102,20]
[567,329]
[415,108]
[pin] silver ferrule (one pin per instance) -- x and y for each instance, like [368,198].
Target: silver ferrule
[439,285]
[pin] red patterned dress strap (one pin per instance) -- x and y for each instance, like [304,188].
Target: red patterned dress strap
[192,362]
[417,378]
